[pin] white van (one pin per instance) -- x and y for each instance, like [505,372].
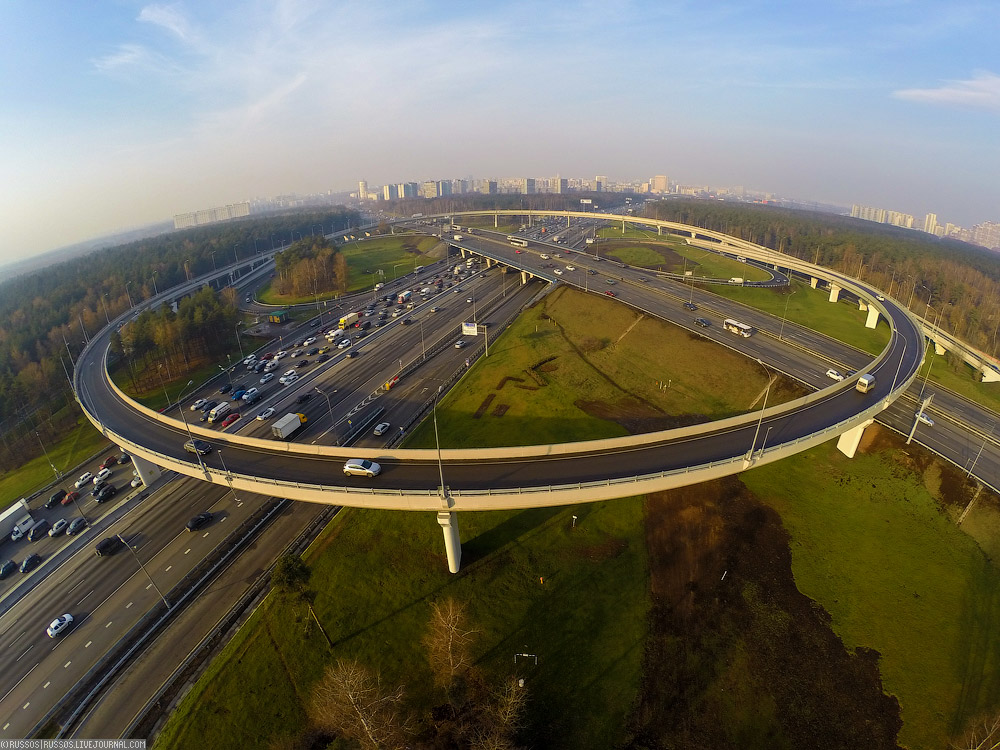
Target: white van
[219,411]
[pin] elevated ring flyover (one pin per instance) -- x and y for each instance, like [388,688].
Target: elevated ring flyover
[515,477]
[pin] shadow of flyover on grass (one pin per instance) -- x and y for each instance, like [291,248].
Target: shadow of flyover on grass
[484,545]
[977,652]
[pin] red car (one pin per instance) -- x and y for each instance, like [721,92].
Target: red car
[70,497]
[518,252]
[610,293]
[109,462]
[267,356]
[230,419]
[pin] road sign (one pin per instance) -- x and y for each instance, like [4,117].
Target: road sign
[470,329]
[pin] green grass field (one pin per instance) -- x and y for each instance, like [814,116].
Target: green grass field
[871,545]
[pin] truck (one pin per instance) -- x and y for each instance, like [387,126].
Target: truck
[457,237]
[404,297]
[16,519]
[426,291]
[348,320]
[590,240]
[458,270]
[865,383]
[736,280]
[287,425]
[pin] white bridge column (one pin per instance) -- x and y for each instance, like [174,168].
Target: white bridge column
[148,471]
[462,251]
[524,278]
[834,292]
[848,442]
[452,542]
[872,320]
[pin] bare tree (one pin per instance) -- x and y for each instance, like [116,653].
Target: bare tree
[448,642]
[351,701]
[983,734]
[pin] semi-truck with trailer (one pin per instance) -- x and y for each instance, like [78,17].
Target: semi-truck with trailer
[348,320]
[285,427]
[404,297]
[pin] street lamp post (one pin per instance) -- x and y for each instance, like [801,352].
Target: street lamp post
[900,365]
[130,305]
[155,293]
[763,406]
[784,315]
[229,476]
[394,267]
[329,405]
[143,568]
[981,448]
[437,442]
[228,372]
[106,316]
[238,342]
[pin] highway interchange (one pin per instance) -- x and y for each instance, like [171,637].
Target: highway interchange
[111,594]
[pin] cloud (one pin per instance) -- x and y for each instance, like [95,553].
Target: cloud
[169,18]
[982,91]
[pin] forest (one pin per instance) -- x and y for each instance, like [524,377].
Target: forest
[310,266]
[952,283]
[46,315]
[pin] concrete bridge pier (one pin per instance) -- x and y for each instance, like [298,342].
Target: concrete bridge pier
[659,230]
[989,374]
[148,471]
[848,442]
[462,251]
[452,542]
[813,282]
[872,320]
[496,221]
[524,278]
[834,292]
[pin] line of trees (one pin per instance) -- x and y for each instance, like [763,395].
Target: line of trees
[312,265]
[952,282]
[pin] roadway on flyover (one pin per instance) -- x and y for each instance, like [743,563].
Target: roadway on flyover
[403,473]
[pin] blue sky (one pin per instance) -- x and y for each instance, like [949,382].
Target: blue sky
[120,113]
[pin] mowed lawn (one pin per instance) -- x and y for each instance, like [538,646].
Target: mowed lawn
[871,545]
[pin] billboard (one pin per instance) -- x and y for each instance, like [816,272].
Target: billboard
[470,329]
[586,201]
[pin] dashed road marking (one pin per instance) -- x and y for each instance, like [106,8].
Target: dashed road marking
[25,652]
[6,725]
[203,536]
[66,665]
[46,685]
[187,550]
[81,601]
[87,644]
[109,624]
[168,568]
[126,607]
[25,705]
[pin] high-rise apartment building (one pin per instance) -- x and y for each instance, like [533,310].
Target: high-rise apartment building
[212,215]
[362,190]
[898,219]
[868,213]
[407,190]
[429,189]
[444,187]
[930,223]
[528,185]
[987,234]
[659,184]
[600,183]
[559,185]
[389,192]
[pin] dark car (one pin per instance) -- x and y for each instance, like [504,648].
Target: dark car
[69,497]
[56,497]
[7,568]
[690,306]
[303,363]
[202,519]
[39,530]
[108,546]
[359,335]
[76,526]
[259,367]
[238,394]
[30,563]
[311,352]
[352,354]
[302,398]
[124,458]
[407,321]
[314,323]
[109,462]
[208,406]
[702,322]
[226,388]
[106,492]
[200,447]
[322,358]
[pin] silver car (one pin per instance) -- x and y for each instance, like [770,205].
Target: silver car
[361,467]
[59,625]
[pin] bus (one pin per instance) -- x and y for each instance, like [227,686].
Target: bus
[518,242]
[740,329]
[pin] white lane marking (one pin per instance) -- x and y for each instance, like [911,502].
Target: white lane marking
[109,624]
[25,705]
[25,652]
[126,607]
[87,644]
[4,697]
[6,725]
[187,550]
[66,665]
[148,586]
[81,601]
[168,568]
[18,637]
[46,685]
[204,535]
[223,519]
[78,583]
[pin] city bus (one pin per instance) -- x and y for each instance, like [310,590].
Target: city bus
[740,329]
[517,242]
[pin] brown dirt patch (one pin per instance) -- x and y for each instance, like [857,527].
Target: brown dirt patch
[484,406]
[527,387]
[736,656]
[505,379]
[500,409]
[637,416]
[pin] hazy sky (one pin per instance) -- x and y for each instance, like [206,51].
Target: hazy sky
[118,113]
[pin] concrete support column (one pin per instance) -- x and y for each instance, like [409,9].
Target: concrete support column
[848,442]
[659,230]
[462,251]
[990,375]
[490,262]
[452,542]
[694,235]
[939,349]
[872,320]
[524,278]
[496,221]
[148,471]
[813,282]
[834,292]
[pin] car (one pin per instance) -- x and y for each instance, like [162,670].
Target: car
[313,352]
[702,322]
[344,343]
[610,293]
[302,398]
[226,388]
[381,428]
[84,479]
[269,356]
[397,313]
[360,335]
[592,272]
[610,281]
[249,360]
[58,527]
[30,562]
[109,462]
[201,447]
[435,309]
[322,358]
[101,477]
[361,467]
[922,417]
[7,568]
[407,321]
[266,414]
[460,344]
[239,393]
[690,306]
[468,299]
[208,406]
[55,498]
[570,268]
[260,367]
[291,379]
[76,526]
[303,363]
[279,355]
[834,375]
[202,519]
[314,323]
[323,350]
[198,404]
[59,625]
[106,492]
[251,394]
[517,252]
[230,419]
[109,546]
[39,530]
[295,354]
[136,482]
[124,458]
[352,354]
[308,341]
[69,497]
[268,377]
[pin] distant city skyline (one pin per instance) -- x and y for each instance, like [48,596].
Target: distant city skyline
[119,115]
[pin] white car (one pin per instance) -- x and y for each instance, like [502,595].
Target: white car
[570,268]
[558,272]
[198,404]
[281,354]
[251,394]
[380,430]
[136,482]
[266,414]
[460,344]
[310,340]
[291,379]
[361,467]
[101,476]
[344,344]
[834,375]
[296,353]
[58,625]
[58,527]
[268,377]
[921,417]
[271,365]
[84,479]
[252,358]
